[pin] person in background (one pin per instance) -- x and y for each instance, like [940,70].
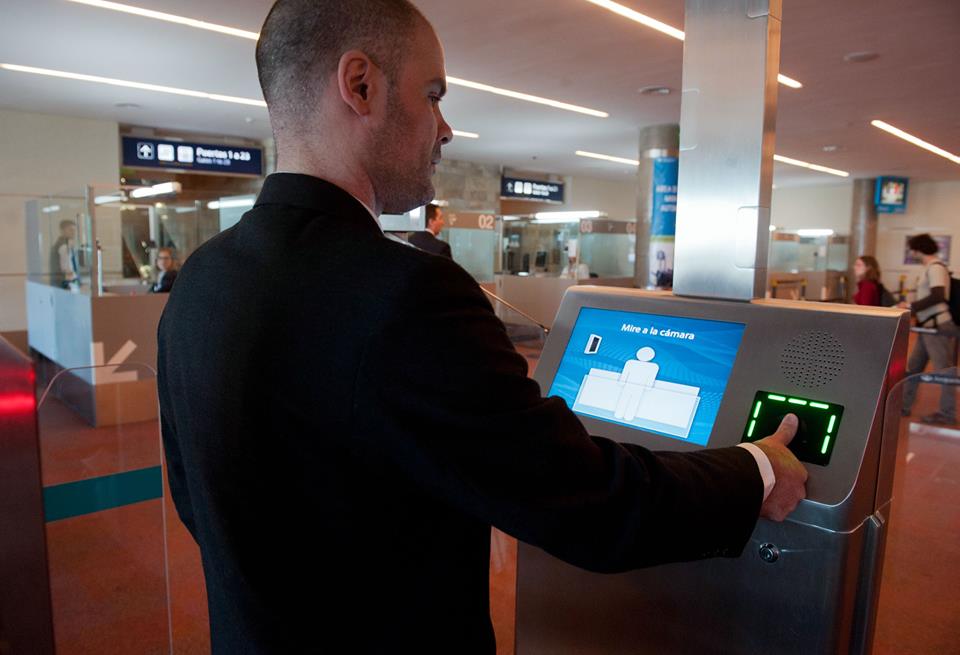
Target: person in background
[937,346]
[428,240]
[63,258]
[167,266]
[869,289]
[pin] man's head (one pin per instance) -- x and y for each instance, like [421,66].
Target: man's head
[165,259]
[68,229]
[434,219]
[353,89]
[923,244]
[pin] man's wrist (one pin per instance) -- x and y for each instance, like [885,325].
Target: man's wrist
[763,463]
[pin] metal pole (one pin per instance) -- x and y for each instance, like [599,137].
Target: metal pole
[731,57]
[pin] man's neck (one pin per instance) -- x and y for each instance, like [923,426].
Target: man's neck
[351,178]
[929,259]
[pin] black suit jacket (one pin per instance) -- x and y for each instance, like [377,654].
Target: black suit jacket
[344,418]
[428,242]
[165,284]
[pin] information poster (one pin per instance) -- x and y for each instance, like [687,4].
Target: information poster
[663,227]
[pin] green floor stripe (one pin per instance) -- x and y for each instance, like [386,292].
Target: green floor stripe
[63,501]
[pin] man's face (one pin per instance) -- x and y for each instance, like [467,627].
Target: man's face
[164,261]
[436,225]
[70,231]
[406,145]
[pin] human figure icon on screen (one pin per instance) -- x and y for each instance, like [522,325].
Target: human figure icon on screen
[637,376]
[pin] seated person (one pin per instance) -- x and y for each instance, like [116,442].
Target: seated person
[167,266]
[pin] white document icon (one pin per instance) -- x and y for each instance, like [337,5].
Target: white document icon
[593,344]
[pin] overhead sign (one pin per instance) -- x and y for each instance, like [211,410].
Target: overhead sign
[142,152]
[519,189]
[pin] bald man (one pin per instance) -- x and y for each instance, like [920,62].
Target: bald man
[344,416]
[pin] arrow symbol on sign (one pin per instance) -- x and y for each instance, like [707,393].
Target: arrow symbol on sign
[107,371]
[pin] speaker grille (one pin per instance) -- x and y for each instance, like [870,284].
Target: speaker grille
[812,359]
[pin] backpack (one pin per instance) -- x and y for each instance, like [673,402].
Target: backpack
[887,299]
[953,299]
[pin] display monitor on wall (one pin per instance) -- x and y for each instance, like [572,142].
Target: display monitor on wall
[661,374]
[891,195]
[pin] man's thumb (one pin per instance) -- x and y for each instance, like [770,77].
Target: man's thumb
[787,430]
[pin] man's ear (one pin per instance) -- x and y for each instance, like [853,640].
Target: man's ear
[359,81]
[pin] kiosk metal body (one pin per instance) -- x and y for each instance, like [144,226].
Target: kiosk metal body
[807,585]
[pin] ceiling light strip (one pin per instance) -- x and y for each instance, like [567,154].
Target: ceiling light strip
[779,158]
[526,96]
[637,17]
[813,167]
[170,18]
[616,160]
[920,143]
[190,22]
[466,135]
[134,85]
[669,30]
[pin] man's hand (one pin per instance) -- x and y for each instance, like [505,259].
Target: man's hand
[791,476]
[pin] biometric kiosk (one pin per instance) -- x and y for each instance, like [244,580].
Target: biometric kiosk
[672,373]
[709,366]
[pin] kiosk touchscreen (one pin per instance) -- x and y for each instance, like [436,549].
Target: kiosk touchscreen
[664,374]
[678,373]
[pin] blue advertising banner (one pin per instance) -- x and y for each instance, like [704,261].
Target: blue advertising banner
[664,217]
[663,226]
[143,152]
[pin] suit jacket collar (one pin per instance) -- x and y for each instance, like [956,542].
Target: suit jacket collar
[315,194]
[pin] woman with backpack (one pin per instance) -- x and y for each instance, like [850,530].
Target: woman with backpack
[932,311]
[869,289]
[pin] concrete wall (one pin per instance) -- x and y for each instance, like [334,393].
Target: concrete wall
[821,206]
[932,207]
[476,187]
[42,154]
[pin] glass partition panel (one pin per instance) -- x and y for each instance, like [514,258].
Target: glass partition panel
[918,586]
[537,247]
[475,250]
[608,255]
[106,523]
[59,242]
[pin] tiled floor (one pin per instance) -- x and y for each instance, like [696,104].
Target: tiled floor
[110,590]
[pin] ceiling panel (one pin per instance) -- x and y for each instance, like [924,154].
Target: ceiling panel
[568,50]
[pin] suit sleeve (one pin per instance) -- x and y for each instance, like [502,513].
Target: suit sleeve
[457,413]
[176,473]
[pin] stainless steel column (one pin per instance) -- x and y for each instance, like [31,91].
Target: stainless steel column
[731,57]
[656,141]
[863,225]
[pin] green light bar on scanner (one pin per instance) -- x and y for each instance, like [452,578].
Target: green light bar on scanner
[819,405]
[826,442]
[772,396]
[797,401]
[756,411]
[753,424]
[833,420]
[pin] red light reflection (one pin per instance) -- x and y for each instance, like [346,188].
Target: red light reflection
[16,403]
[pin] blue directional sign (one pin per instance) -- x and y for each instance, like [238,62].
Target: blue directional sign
[143,152]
